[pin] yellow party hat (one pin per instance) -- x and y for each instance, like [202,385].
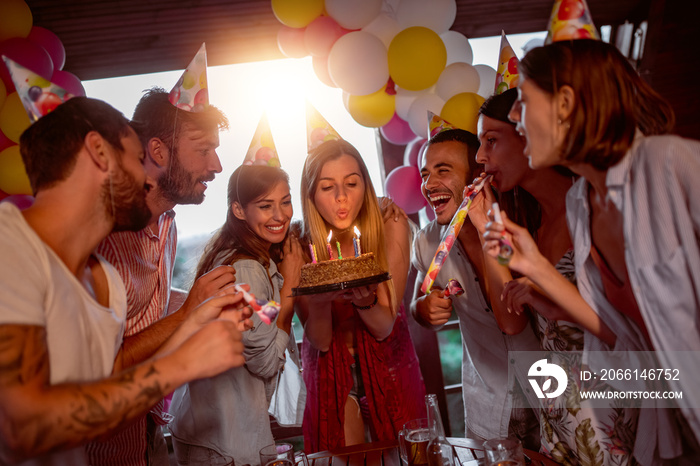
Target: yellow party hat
[262,149]
[191,93]
[507,76]
[437,124]
[570,19]
[39,96]
[318,130]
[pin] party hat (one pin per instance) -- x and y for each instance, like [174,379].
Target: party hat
[38,95]
[570,19]
[191,93]
[262,149]
[507,76]
[318,130]
[437,124]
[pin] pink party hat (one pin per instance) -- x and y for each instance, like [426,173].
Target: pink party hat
[570,19]
[436,125]
[191,93]
[507,76]
[262,149]
[318,130]
[38,95]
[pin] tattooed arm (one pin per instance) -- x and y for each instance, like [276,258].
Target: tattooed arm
[36,417]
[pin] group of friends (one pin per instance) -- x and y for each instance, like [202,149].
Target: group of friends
[599,204]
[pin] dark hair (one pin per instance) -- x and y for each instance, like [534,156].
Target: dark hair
[50,146]
[235,239]
[156,117]
[611,100]
[465,137]
[498,105]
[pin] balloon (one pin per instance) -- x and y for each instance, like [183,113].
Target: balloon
[384,27]
[291,42]
[531,44]
[3,93]
[429,213]
[462,110]
[5,142]
[414,151]
[297,13]
[355,14]
[358,63]
[13,176]
[346,101]
[13,118]
[321,34]
[458,47]
[27,54]
[437,15]
[404,100]
[51,43]
[457,78]
[487,80]
[373,110]
[397,131]
[418,113]
[320,65]
[3,194]
[402,185]
[15,19]
[22,201]
[69,82]
[416,58]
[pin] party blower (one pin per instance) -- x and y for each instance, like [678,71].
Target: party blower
[450,236]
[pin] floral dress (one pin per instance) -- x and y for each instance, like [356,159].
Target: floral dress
[573,432]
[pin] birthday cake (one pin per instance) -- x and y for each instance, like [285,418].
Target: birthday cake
[340,271]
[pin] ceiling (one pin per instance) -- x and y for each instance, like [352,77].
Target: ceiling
[125,37]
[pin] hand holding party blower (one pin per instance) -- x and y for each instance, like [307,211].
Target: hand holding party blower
[450,236]
[266,310]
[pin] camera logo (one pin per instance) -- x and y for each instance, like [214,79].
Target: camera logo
[542,368]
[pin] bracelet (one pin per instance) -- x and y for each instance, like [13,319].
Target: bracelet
[369,306]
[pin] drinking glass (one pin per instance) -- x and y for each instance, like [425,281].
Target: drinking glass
[504,452]
[281,453]
[413,442]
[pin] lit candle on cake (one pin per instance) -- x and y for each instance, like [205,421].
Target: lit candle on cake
[312,250]
[337,245]
[328,245]
[356,242]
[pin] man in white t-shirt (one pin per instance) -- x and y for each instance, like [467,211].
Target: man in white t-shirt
[62,307]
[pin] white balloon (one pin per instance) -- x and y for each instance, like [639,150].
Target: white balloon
[531,44]
[354,14]
[358,63]
[457,78]
[404,99]
[437,15]
[346,100]
[458,47]
[487,83]
[418,113]
[384,27]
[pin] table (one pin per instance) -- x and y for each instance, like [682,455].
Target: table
[469,452]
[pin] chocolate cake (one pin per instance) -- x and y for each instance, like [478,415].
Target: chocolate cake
[337,271]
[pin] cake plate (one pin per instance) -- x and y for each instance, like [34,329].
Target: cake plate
[382,277]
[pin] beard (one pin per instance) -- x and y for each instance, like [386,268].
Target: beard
[179,186]
[125,199]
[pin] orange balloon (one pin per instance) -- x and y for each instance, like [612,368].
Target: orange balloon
[462,110]
[13,117]
[13,176]
[15,19]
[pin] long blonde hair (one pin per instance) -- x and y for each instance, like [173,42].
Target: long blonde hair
[369,219]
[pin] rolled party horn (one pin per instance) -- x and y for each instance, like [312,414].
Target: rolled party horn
[505,248]
[450,235]
[266,310]
[453,288]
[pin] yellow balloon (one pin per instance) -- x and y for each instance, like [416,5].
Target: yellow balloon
[462,110]
[297,13]
[13,118]
[15,19]
[13,176]
[416,58]
[372,110]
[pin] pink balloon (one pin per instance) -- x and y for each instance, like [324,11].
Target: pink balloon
[403,187]
[430,213]
[51,43]
[27,54]
[69,82]
[397,131]
[291,42]
[321,34]
[320,65]
[22,201]
[414,149]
